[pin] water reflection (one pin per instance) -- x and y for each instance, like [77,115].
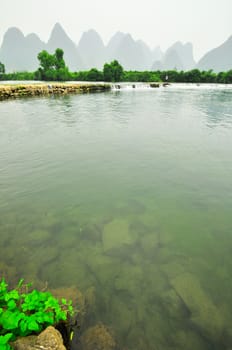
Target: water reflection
[217,107]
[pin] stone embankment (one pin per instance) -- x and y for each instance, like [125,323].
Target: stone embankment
[24,90]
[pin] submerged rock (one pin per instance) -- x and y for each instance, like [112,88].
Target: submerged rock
[97,338]
[204,314]
[189,340]
[103,267]
[71,293]
[122,314]
[173,305]
[90,297]
[49,339]
[116,235]
[129,279]
[150,244]
[38,237]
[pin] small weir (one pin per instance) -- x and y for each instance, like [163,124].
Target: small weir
[138,86]
[24,90]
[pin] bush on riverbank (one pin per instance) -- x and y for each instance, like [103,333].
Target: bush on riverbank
[94,75]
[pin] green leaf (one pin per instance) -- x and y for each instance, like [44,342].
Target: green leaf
[49,318]
[70,309]
[5,338]
[3,287]
[11,305]
[33,326]
[23,325]
[20,283]
[9,320]
[13,294]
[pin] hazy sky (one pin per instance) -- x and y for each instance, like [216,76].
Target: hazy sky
[206,23]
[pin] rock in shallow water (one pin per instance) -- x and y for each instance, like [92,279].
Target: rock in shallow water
[204,314]
[97,338]
[116,235]
[49,339]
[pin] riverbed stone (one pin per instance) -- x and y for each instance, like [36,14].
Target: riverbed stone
[49,339]
[116,235]
[98,337]
[136,338]
[173,305]
[190,340]
[122,314]
[38,237]
[150,244]
[173,269]
[129,278]
[49,221]
[103,267]
[204,314]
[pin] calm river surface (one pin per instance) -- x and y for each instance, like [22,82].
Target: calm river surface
[127,196]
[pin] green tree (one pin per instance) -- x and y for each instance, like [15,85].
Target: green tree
[113,71]
[192,76]
[94,75]
[59,59]
[52,67]
[2,68]
[228,77]
[221,77]
[46,60]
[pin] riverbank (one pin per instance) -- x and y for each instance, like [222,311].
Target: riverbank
[24,90]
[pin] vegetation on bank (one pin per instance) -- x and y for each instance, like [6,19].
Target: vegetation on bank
[52,67]
[24,312]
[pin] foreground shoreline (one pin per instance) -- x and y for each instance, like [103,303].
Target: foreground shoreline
[24,90]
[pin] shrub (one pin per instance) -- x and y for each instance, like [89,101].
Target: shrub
[28,312]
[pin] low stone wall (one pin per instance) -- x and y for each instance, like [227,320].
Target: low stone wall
[13,91]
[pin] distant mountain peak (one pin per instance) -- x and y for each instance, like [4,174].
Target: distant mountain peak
[13,32]
[90,37]
[92,49]
[59,38]
[229,39]
[58,30]
[33,37]
[219,59]
[128,36]
[188,44]
[91,31]
[58,26]
[115,39]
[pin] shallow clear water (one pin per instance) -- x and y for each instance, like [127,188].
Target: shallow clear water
[126,194]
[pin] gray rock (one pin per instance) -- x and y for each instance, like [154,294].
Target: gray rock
[49,339]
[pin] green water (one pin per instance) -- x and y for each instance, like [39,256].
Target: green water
[127,194]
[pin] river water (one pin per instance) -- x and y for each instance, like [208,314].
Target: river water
[127,196]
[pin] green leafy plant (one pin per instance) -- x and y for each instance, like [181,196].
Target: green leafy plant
[26,312]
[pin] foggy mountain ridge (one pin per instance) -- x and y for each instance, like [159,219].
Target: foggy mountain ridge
[19,52]
[179,56]
[218,59]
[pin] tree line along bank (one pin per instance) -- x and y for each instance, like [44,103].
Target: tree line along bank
[52,67]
